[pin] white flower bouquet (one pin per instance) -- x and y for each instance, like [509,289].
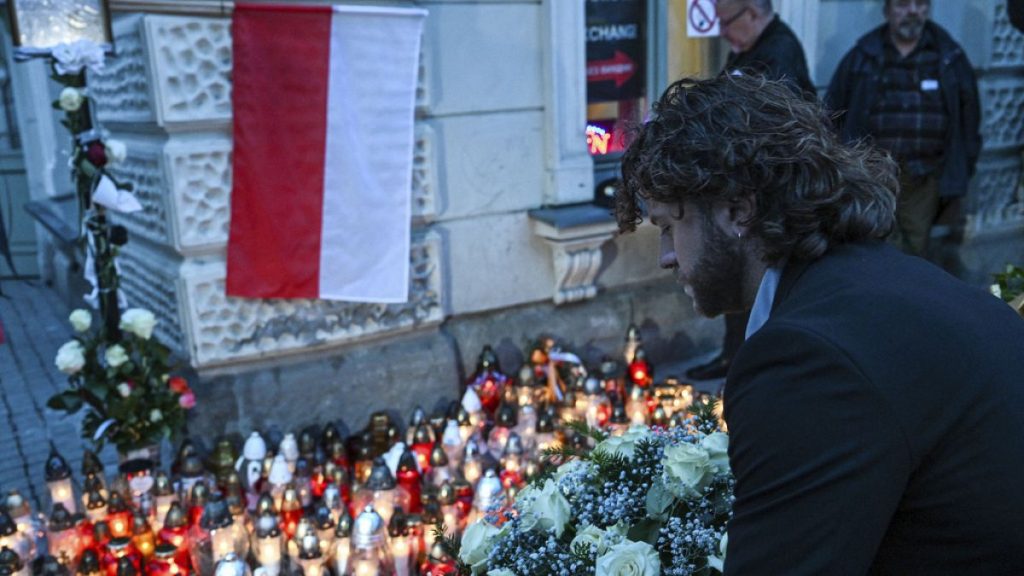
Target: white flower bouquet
[132,400]
[647,502]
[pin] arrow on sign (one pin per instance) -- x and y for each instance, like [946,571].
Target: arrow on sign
[619,68]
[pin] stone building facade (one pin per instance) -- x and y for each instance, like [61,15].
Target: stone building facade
[506,245]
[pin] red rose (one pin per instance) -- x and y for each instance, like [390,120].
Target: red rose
[96,153]
[187,400]
[178,384]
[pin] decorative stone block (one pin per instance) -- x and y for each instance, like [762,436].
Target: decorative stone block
[199,181]
[1007,41]
[190,61]
[224,330]
[997,200]
[121,92]
[1002,99]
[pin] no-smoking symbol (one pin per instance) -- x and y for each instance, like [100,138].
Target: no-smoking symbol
[702,15]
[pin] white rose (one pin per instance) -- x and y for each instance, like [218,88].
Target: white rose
[155,415]
[717,446]
[70,99]
[625,445]
[70,357]
[476,544]
[71,58]
[138,321]
[116,151]
[718,562]
[115,356]
[629,559]
[80,320]
[598,539]
[545,509]
[687,470]
[124,389]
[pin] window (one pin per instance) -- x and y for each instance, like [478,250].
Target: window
[635,48]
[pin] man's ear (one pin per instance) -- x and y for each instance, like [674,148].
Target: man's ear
[733,216]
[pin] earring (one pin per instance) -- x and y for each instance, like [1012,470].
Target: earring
[739,235]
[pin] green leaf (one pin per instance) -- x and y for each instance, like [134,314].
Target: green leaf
[98,389]
[645,530]
[68,401]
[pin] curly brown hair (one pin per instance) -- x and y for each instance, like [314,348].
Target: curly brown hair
[730,137]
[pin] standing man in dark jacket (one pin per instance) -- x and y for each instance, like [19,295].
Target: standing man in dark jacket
[762,44]
[908,86]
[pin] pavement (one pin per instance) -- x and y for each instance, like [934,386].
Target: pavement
[35,325]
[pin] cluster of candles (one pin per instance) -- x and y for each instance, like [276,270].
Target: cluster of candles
[315,503]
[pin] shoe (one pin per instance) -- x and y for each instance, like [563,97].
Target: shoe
[714,369]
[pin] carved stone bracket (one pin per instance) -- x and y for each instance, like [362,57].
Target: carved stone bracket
[575,235]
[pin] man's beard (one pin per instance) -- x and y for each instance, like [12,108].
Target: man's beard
[910,29]
[717,279]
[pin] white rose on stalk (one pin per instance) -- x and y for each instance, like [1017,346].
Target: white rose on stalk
[625,445]
[546,508]
[124,389]
[71,58]
[155,415]
[115,356]
[70,357]
[687,470]
[116,151]
[476,544]
[629,559]
[138,321]
[717,446]
[80,320]
[70,99]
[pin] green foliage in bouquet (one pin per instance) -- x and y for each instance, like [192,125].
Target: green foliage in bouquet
[132,399]
[645,502]
[1009,284]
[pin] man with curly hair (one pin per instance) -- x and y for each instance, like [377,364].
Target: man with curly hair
[876,407]
[761,44]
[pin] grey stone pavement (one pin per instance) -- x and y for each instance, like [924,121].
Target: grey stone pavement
[35,325]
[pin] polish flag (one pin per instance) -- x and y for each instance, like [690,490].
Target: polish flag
[323,100]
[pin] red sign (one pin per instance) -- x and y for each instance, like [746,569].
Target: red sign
[619,68]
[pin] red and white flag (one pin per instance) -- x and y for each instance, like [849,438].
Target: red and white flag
[324,100]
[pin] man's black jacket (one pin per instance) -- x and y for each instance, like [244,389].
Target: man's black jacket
[855,89]
[877,424]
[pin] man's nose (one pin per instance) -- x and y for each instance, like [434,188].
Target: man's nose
[667,258]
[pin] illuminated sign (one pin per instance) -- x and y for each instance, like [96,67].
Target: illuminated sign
[598,139]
